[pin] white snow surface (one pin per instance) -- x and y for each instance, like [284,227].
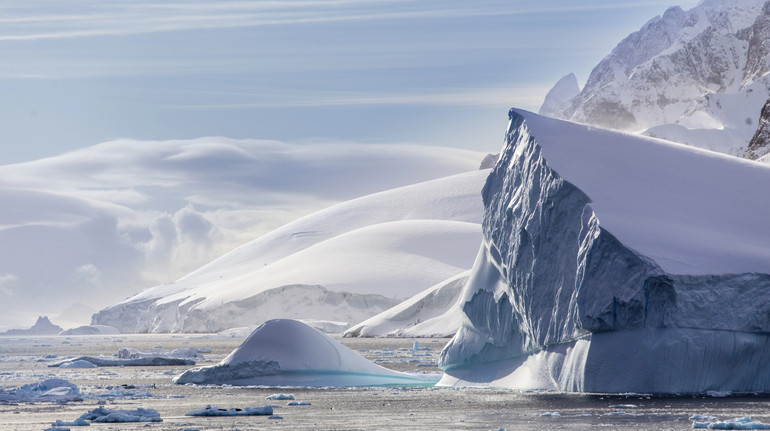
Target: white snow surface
[434,312]
[606,252]
[345,263]
[110,220]
[285,352]
[691,211]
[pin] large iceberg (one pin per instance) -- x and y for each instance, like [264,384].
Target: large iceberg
[616,263]
[286,352]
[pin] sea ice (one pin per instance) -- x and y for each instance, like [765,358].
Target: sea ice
[298,403]
[285,352]
[131,357]
[80,363]
[79,422]
[104,415]
[216,411]
[744,423]
[280,397]
[49,390]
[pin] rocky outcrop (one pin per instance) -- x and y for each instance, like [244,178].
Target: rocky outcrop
[759,145]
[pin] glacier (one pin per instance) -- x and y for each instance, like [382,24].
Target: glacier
[616,263]
[345,264]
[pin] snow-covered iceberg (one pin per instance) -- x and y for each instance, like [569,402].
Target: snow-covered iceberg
[285,352]
[345,263]
[616,263]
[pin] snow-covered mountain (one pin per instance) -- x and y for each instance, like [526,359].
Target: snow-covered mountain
[698,77]
[606,253]
[84,230]
[345,263]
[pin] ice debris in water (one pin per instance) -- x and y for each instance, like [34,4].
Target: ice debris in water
[103,415]
[706,418]
[551,415]
[298,403]
[80,363]
[50,390]
[280,397]
[79,422]
[744,423]
[216,411]
[624,406]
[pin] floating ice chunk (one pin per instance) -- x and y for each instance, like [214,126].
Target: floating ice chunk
[706,418]
[719,394]
[80,363]
[181,353]
[744,423]
[216,411]
[116,362]
[416,346]
[57,429]
[551,415]
[49,390]
[275,417]
[280,397]
[298,403]
[103,415]
[285,352]
[624,406]
[79,422]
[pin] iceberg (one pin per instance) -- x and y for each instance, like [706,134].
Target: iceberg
[286,352]
[616,263]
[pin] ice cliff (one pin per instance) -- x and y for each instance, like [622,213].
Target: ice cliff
[615,263]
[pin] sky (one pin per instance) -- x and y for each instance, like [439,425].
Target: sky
[434,72]
[140,140]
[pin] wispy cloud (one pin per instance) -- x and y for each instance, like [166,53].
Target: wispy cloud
[97,224]
[487,97]
[106,19]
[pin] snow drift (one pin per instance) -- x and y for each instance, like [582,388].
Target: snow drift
[286,352]
[607,263]
[345,263]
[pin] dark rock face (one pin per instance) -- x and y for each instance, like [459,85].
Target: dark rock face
[760,143]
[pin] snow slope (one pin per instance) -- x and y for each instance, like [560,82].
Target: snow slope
[605,252]
[698,77]
[285,352]
[434,312]
[110,220]
[345,263]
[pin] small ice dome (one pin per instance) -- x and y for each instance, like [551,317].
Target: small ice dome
[286,352]
[80,363]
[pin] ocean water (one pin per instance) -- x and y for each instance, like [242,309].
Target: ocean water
[380,408]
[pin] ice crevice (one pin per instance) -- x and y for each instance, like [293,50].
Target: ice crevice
[557,301]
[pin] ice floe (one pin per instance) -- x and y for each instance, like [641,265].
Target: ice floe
[217,411]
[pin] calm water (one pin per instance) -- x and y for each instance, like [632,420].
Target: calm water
[330,409]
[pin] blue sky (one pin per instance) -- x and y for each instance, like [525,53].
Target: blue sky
[78,73]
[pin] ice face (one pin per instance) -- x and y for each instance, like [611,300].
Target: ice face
[557,301]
